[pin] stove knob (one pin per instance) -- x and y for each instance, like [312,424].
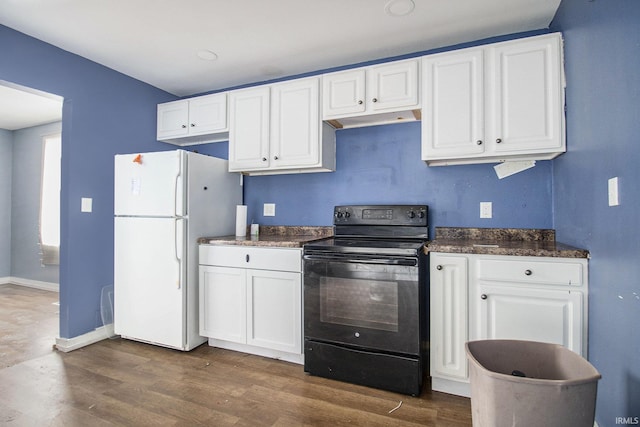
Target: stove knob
[411,214]
[347,214]
[338,214]
[421,214]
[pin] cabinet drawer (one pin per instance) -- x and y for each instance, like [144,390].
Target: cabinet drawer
[531,271]
[281,259]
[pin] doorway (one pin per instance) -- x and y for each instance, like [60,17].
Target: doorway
[29,279]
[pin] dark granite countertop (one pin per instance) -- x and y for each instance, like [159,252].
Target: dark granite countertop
[274,236]
[502,241]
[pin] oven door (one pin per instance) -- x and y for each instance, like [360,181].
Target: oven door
[363,301]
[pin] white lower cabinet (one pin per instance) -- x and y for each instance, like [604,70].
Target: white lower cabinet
[449,316]
[251,300]
[476,297]
[510,312]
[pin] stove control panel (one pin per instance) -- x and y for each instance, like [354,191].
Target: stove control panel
[414,215]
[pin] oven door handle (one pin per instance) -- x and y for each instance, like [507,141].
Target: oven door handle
[411,262]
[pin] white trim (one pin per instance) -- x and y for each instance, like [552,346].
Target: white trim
[259,351]
[46,286]
[459,388]
[69,344]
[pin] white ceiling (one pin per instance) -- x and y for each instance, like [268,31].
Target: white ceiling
[157,41]
[22,108]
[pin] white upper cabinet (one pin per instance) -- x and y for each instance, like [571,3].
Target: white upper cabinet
[249,129]
[494,103]
[277,129]
[385,93]
[194,121]
[528,103]
[344,93]
[453,97]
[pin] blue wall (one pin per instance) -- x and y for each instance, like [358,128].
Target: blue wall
[602,52]
[104,113]
[381,164]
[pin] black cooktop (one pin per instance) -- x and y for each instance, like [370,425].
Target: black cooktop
[376,229]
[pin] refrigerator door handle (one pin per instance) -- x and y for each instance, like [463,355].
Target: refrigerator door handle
[178,238]
[175,194]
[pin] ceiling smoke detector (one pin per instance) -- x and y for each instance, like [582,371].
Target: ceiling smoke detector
[399,7]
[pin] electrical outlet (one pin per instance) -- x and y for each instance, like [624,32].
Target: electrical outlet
[269,209]
[485,210]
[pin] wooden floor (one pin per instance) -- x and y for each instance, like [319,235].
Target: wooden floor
[120,382]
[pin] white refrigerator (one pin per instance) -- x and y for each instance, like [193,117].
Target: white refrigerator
[165,201]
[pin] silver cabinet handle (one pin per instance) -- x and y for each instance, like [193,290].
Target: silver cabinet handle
[484,296]
[246,258]
[528,272]
[438,267]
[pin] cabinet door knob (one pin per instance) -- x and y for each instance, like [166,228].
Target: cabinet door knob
[438,267]
[247,258]
[498,141]
[479,142]
[360,102]
[264,159]
[193,125]
[184,126]
[275,157]
[375,99]
[528,272]
[484,296]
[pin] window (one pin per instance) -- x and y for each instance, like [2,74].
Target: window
[50,200]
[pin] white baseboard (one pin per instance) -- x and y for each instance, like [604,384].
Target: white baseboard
[69,344]
[46,286]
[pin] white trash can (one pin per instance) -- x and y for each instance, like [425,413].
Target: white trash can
[529,384]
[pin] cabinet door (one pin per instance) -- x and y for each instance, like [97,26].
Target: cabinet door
[343,93]
[249,129]
[453,105]
[510,312]
[295,123]
[208,114]
[173,119]
[528,107]
[274,318]
[448,306]
[223,300]
[393,86]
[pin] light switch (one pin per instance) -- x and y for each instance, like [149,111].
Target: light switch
[86,204]
[613,192]
[485,210]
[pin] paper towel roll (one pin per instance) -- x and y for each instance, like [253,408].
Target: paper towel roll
[241,220]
